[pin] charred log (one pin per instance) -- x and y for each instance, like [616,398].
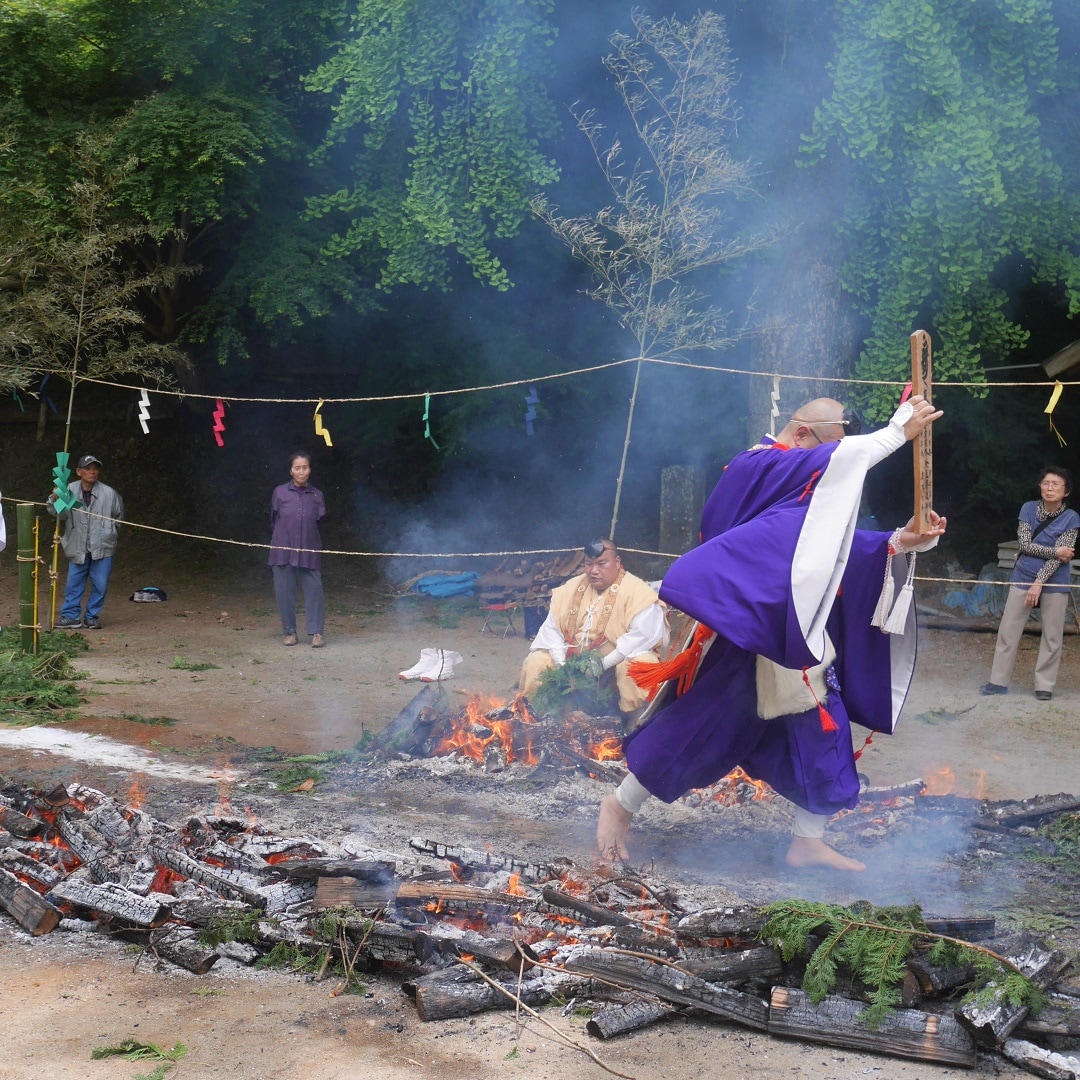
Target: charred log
[108,898]
[836,1022]
[669,984]
[622,1019]
[993,1022]
[30,910]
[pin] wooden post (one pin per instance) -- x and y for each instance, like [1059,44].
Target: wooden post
[924,451]
[27,596]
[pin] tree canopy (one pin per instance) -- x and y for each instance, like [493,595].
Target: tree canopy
[953,194]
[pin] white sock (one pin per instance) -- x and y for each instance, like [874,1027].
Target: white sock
[631,795]
[807,825]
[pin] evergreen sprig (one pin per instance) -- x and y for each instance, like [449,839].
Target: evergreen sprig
[873,944]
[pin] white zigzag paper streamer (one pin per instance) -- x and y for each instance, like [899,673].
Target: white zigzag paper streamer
[775,396]
[144,412]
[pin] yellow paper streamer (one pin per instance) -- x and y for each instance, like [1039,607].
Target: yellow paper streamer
[319,429]
[1049,410]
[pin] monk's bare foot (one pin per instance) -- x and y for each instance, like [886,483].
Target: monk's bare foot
[612,829]
[809,851]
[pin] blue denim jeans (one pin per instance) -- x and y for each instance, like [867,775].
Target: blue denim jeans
[97,570]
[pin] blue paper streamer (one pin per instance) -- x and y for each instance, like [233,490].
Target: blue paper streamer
[532,400]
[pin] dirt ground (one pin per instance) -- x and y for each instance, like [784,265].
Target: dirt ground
[65,994]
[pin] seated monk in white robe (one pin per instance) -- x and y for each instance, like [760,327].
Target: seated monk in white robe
[604,609]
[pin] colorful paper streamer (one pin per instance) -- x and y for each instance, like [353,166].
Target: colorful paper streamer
[219,421]
[427,422]
[319,429]
[532,399]
[65,500]
[1049,410]
[144,411]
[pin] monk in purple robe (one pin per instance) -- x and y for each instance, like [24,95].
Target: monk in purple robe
[799,602]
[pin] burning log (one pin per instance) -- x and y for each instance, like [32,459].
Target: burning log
[19,824]
[88,844]
[333,892]
[622,1019]
[448,896]
[198,872]
[178,947]
[975,928]
[592,913]
[733,923]
[760,967]
[485,860]
[903,1033]
[31,911]
[1016,813]
[924,979]
[372,871]
[1042,1062]
[410,729]
[668,983]
[25,867]
[445,995]
[1060,1016]
[108,898]
[992,1024]
[501,953]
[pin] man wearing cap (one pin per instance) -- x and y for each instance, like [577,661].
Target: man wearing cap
[89,542]
[798,633]
[605,611]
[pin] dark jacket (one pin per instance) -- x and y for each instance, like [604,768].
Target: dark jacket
[295,514]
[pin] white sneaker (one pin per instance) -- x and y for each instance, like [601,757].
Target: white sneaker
[442,667]
[427,658]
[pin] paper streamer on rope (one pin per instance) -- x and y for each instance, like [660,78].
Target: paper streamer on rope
[1049,410]
[774,411]
[427,423]
[144,411]
[219,421]
[65,500]
[42,396]
[532,399]
[319,429]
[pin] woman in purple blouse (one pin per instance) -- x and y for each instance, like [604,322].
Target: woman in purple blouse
[296,508]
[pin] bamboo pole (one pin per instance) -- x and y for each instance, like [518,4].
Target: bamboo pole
[27,561]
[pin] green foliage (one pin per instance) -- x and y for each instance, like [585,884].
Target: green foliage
[133,1050]
[286,957]
[872,944]
[1064,831]
[150,721]
[575,685]
[39,689]
[440,110]
[69,305]
[667,233]
[950,180]
[242,925]
[180,664]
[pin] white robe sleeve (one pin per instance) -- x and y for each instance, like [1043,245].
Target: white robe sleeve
[648,629]
[549,638]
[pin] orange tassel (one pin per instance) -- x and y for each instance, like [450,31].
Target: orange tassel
[869,740]
[682,667]
[827,722]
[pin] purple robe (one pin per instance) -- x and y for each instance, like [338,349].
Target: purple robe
[778,545]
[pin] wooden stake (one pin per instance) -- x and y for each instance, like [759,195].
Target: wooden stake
[924,451]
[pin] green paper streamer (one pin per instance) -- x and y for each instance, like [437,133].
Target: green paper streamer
[427,425]
[64,499]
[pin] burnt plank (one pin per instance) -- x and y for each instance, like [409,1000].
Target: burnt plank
[30,910]
[669,984]
[622,1019]
[993,1022]
[836,1021]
